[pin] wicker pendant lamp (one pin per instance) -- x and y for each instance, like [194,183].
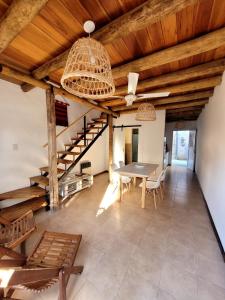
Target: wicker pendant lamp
[146,112]
[88,71]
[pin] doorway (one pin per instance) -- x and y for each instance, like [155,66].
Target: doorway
[131,145]
[183,149]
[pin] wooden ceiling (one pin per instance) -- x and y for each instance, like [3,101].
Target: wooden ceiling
[182,51]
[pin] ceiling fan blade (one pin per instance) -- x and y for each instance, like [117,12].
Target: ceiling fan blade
[132,82]
[153,95]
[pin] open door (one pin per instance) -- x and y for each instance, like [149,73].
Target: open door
[134,144]
[191,150]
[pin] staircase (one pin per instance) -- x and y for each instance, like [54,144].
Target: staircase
[37,193]
[74,151]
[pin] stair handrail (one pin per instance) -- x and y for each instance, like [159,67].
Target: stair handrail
[74,122]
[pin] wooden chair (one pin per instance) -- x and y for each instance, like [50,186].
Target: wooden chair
[52,260]
[153,186]
[15,233]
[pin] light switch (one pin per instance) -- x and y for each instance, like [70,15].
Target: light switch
[15,147]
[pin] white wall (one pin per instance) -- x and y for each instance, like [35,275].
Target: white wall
[150,147]
[23,132]
[210,165]
[170,127]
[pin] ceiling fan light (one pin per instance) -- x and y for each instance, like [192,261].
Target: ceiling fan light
[146,112]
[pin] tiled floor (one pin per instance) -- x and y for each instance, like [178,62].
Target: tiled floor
[140,254]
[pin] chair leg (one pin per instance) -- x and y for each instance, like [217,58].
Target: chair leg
[154,198]
[162,192]
[62,285]
[159,194]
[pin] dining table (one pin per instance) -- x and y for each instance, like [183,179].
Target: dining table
[140,170]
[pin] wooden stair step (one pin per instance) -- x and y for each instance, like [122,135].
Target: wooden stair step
[46,169]
[79,146]
[102,120]
[64,161]
[87,139]
[40,180]
[76,138]
[94,127]
[13,212]
[24,193]
[68,153]
[81,139]
[97,123]
[82,133]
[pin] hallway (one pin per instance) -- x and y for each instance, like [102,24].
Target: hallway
[141,254]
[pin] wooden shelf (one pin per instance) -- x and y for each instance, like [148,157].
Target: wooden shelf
[23,193]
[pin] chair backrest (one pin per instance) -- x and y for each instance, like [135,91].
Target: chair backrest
[121,164]
[163,175]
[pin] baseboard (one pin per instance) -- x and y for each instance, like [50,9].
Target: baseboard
[212,223]
[100,173]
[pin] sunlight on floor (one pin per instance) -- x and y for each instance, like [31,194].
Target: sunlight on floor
[111,195]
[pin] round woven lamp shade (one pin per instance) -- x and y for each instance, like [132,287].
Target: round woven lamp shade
[88,71]
[146,112]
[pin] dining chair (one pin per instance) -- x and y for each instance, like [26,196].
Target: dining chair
[121,163]
[162,179]
[125,179]
[153,186]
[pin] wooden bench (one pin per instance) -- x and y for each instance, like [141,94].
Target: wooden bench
[52,260]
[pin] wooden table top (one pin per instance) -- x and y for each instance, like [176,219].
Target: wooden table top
[137,169]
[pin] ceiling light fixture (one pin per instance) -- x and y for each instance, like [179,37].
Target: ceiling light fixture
[146,112]
[88,71]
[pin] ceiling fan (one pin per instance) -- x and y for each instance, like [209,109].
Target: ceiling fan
[132,86]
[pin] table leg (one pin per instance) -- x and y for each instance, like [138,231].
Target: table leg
[143,192]
[134,181]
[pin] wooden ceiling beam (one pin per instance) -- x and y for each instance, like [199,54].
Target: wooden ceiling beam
[172,106]
[183,116]
[202,70]
[59,91]
[185,113]
[169,100]
[18,16]
[185,109]
[176,119]
[187,49]
[150,12]
[182,105]
[197,85]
